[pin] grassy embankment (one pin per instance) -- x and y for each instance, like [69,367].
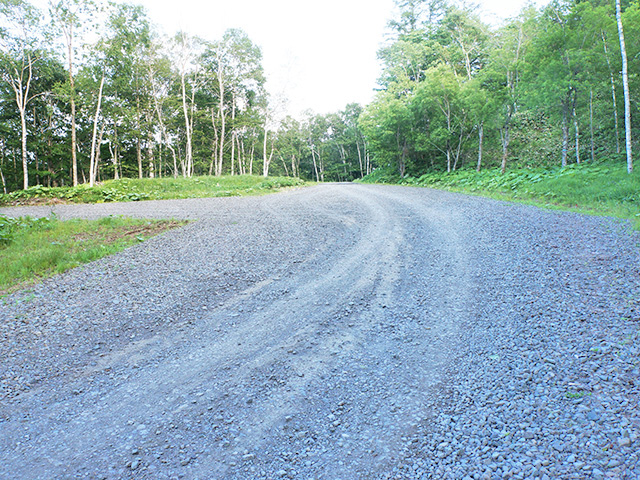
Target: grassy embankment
[127,189]
[31,249]
[602,189]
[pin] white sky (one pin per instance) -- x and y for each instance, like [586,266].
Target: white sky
[319,55]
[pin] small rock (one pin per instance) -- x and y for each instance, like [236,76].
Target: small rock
[624,442]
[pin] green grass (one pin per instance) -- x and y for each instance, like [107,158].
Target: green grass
[602,189]
[31,249]
[127,189]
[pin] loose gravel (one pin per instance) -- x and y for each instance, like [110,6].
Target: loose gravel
[339,331]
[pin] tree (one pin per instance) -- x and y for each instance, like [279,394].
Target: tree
[185,54]
[19,57]
[71,16]
[127,49]
[416,14]
[462,40]
[233,68]
[439,99]
[386,124]
[504,72]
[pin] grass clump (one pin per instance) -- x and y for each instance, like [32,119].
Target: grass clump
[129,190]
[31,249]
[602,189]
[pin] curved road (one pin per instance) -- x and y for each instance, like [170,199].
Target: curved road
[338,331]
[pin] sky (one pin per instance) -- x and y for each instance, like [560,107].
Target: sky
[317,55]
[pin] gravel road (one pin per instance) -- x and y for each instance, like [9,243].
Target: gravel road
[333,332]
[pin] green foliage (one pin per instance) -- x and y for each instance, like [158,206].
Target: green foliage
[131,190]
[10,227]
[384,175]
[543,89]
[604,189]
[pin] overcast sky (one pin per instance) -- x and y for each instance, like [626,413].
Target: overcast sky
[320,55]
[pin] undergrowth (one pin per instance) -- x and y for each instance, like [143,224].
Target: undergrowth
[128,190]
[602,189]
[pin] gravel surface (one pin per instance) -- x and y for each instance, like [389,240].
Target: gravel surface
[333,332]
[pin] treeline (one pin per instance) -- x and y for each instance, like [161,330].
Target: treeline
[91,91]
[546,87]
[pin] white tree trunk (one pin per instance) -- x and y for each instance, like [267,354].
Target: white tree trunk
[593,149]
[187,124]
[576,127]
[22,99]
[265,159]
[625,86]
[480,140]
[222,116]
[74,158]
[92,163]
[565,134]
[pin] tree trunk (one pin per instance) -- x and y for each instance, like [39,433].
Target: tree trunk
[113,150]
[222,117]
[139,157]
[480,139]
[315,165]
[175,160]
[214,146]
[187,123]
[265,160]
[576,126]
[360,158]
[403,159]
[96,160]
[4,183]
[22,99]
[92,163]
[565,131]
[233,131]
[368,161]
[613,93]
[25,166]
[251,157]
[593,150]
[625,86]
[74,158]
[150,149]
[505,138]
[242,165]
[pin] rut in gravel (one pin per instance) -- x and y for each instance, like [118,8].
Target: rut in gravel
[315,333]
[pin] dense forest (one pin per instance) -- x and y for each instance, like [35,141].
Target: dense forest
[92,91]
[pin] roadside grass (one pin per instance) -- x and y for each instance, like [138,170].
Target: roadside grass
[32,249]
[596,189]
[127,189]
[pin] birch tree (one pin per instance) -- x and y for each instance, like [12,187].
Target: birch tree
[185,55]
[19,56]
[234,67]
[72,19]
